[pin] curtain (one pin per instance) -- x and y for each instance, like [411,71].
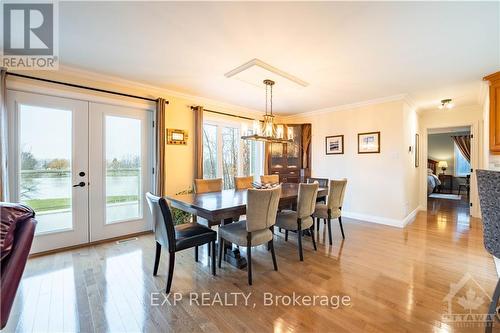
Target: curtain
[306,144]
[198,142]
[3,138]
[463,143]
[160,147]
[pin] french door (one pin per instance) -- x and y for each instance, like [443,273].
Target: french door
[83,167]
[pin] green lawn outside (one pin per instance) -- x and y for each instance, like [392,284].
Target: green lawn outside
[43,205]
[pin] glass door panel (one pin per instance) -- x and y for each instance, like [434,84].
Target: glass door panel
[48,157]
[123,169]
[45,172]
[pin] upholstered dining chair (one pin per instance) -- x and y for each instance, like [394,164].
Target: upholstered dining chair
[270,179]
[488,183]
[176,238]
[302,218]
[323,182]
[243,183]
[262,206]
[333,208]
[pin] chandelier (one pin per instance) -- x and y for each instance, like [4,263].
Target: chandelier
[267,130]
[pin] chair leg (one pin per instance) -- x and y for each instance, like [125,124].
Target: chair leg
[196,253]
[171,263]
[313,238]
[214,257]
[286,235]
[341,228]
[221,250]
[208,253]
[317,220]
[299,235]
[273,255]
[329,231]
[249,260]
[157,258]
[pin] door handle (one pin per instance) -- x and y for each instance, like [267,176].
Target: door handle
[80,184]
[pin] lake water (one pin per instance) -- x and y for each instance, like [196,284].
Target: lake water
[54,188]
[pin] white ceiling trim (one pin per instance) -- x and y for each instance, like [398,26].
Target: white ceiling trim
[400,97]
[156,91]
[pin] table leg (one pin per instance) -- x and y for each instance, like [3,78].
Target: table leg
[233,256]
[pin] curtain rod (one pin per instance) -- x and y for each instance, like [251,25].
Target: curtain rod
[224,114]
[83,87]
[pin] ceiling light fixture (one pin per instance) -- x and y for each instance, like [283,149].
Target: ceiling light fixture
[446,104]
[268,131]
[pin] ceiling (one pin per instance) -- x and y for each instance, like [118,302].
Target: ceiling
[347,52]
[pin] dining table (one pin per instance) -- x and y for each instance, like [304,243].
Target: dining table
[227,206]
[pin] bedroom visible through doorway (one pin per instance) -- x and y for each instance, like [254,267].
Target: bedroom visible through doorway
[449,170]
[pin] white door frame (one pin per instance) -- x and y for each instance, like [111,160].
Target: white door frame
[99,230]
[49,91]
[475,149]
[78,234]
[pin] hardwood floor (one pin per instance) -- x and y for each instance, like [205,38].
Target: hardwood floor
[397,280]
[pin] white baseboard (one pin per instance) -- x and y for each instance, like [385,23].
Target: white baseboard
[374,219]
[408,219]
[383,220]
[497,264]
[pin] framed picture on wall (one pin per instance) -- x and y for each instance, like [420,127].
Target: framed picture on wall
[417,151]
[369,143]
[334,144]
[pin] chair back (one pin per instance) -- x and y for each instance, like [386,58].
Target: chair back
[243,183]
[336,193]
[306,199]
[262,207]
[270,179]
[323,182]
[207,185]
[163,225]
[488,183]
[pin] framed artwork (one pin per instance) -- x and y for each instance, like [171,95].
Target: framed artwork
[334,144]
[417,151]
[369,143]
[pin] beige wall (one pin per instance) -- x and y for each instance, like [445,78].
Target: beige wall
[179,159]
[376,189]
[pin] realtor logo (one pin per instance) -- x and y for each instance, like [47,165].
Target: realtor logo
[29,31]
[467,304]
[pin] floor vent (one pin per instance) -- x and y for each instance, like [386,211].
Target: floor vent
[126,240]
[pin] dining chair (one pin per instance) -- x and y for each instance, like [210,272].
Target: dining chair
[243,183]
[270,179]
[262,206]
[333,208]
[176,238]
[323,182]
[206,186]
[302,218]
[488,183]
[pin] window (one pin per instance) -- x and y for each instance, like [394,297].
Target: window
[225,155]
[462,166]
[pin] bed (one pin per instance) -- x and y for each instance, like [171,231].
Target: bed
[432,180]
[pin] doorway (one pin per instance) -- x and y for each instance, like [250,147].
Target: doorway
[449,169]
[82,166]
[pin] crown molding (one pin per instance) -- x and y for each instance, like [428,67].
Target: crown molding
[154,91]
[393,98]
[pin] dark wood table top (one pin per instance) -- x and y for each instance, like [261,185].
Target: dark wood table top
[217,206]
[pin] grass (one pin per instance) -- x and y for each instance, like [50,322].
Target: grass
[43,205]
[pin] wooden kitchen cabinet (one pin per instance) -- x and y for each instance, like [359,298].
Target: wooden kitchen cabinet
[494,81]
